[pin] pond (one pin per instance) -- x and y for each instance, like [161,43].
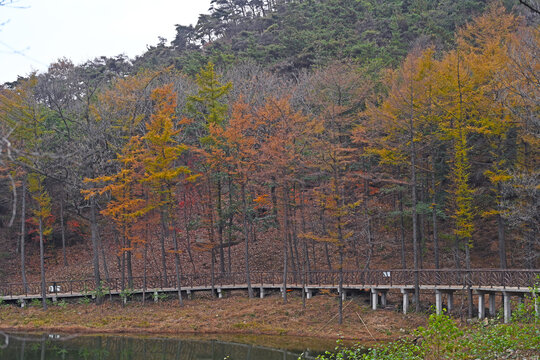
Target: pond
[18,346]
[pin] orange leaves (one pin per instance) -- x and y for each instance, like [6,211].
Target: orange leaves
[148,170]
[262,201]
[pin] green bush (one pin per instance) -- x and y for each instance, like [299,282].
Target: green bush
[443,338]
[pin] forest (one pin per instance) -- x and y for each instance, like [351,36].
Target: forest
[282,135]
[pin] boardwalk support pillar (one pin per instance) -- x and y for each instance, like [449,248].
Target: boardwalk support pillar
[450,298]
[481,305]
[309,293]
[261,292]
[220,294]
[383,298]
[438,301]
[507,309]
[406,295]
[492,308]
[374,299]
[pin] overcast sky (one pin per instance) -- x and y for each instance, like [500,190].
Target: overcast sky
[36,33]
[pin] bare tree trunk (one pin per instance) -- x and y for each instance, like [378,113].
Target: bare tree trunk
[326,252]
[42,265]
[285,255]
[95,249]
[23,234]
[176,260]
[340,320]
[457,260]
[531,236]
[246,240]
[128,264]
[469,289]
[123,275]
[212,271]
[434,216]
[188,233]
[62,231]
[421,228]
[307,265]
[414,202]
[229,226]
[368,224]
[163,253]
[500,227]
[402,231]
[104,259]
[220,227]
[14,204]
[145,257]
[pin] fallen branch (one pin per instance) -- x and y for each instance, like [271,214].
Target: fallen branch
[370,334]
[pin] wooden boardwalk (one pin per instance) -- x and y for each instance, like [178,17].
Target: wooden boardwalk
[508,283]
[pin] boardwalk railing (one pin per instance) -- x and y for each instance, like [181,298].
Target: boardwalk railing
[521,279]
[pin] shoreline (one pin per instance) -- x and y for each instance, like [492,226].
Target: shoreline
[234,316]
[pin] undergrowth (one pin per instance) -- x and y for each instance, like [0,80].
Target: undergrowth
[444,338]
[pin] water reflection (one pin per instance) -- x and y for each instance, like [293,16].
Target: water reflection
[61,347]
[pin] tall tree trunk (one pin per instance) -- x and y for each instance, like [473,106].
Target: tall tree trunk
[42,265]
[123,275]
[145,261]
[274,201]
[164,235]
[340,321]
[402,231]
[128,264]
[285,233]
[421,227]
[246,240]
[23,234]
[304,241]
[220,226]
[531,238]
[188,232]
[457,261]
[103,258]
[434,215]
[212,271]
[469,289]
[326,252]
[14,203]
[95,248]
[368,225]
[414,203]
[63,231]
[176,260]
[500,227]
[229,226]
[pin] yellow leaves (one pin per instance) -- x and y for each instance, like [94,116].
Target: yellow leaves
[498,176]
[192,177]
[148,171]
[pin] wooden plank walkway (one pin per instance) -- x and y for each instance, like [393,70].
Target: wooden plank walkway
[377,282]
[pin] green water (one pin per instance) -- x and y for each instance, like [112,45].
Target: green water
[67,347]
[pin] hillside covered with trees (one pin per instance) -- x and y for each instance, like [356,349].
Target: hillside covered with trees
[282,135]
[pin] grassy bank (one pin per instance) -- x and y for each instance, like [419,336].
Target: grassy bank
[444,338]
[232,315]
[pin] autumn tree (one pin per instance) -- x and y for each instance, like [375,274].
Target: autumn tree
[42,213]
[209,110]
[162,171]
